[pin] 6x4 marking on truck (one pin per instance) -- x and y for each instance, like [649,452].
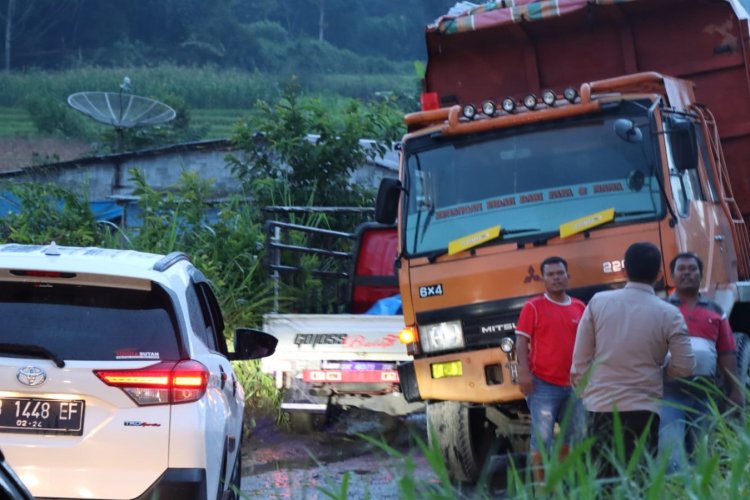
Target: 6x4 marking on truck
[430,290]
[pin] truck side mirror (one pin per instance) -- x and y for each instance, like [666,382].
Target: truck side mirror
[627,131]
[682,142]
[386,204]
[252,344]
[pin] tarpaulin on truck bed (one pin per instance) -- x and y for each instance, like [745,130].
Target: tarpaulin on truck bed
[502,12]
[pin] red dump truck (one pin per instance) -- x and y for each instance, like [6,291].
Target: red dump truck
[570,128]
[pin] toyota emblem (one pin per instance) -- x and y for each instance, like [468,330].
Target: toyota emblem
[31,375]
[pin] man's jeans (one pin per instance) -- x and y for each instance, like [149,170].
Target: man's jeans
[684,417]
[550,403]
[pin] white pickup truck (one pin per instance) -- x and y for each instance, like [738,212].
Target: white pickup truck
[343,360]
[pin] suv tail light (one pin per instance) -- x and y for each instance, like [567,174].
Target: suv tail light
[170,382]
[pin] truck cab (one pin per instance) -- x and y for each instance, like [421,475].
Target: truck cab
[509,163]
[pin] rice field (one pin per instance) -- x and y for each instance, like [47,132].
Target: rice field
[218,123]
[15,122]
[214,123]
[216,99]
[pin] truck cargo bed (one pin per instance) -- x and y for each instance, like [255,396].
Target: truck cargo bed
[705,41]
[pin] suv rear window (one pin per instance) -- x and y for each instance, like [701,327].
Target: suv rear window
[89,323]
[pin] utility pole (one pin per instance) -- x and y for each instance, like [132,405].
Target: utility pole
[321,20]
[8,26]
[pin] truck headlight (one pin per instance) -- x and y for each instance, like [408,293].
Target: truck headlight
[441,336]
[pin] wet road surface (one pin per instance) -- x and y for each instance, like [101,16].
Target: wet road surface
[338,463]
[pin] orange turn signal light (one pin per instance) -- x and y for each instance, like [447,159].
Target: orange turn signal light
[408,335]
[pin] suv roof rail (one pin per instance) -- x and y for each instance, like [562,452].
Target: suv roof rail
[169,260]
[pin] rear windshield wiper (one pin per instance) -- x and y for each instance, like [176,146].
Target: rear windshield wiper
[35,351]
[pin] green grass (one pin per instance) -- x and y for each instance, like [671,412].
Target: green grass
[218,123]
[199,87]
[719,469]
[216,98]
[15,122]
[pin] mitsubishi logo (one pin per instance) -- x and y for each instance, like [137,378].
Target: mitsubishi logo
[31,375]
[532,276]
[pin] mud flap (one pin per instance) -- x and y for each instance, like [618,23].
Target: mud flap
[407,378]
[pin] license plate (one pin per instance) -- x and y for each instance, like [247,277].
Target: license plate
[41,415]
[448,369]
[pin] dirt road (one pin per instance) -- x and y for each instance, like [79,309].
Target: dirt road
[279,464]
[338,463]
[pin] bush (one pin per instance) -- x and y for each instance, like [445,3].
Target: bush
[47,213]
[278,149]
[53,117]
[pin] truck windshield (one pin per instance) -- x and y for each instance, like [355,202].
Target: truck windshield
[530,180]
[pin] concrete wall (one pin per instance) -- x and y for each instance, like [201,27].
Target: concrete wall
[108,177]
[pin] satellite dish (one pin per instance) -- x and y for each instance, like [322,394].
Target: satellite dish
[121,110]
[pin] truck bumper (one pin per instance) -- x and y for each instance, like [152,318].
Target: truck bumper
[482,376]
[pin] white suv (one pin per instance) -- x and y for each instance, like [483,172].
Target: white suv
[115,380]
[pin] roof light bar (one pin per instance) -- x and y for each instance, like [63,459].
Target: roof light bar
[508,105]
[549,97]
[469,111]
[489,108]
[570,94]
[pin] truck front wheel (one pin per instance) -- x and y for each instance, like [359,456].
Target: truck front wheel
[464,435]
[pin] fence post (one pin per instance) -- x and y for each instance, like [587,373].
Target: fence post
[276,260]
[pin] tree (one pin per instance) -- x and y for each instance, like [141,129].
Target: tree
[8,32]
[311,150]
[29,24]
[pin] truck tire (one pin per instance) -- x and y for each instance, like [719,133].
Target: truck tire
[305,422]
[463,434]
[743,358]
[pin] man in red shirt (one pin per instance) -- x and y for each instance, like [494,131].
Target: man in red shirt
[545,335]
[687,404]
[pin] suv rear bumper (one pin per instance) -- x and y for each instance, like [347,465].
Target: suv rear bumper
[175,483]
[178,483]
